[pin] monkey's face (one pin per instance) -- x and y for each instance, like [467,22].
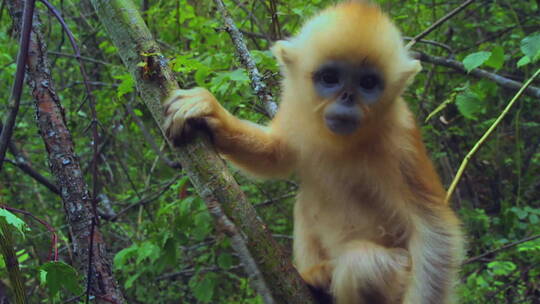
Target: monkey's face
[349,64]
[350,90]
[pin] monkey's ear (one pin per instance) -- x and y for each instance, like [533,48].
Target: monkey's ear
[412,68]
[283,50]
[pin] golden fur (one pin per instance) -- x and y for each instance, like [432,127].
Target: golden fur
[370,225]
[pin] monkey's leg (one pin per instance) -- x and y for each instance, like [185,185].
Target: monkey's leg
[257,149]
[367,273]
[310,258]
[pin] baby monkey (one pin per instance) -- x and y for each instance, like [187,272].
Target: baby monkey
[370,222]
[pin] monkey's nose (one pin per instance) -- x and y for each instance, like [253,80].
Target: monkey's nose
[347,98]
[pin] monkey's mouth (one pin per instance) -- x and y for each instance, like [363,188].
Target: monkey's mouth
[342,124]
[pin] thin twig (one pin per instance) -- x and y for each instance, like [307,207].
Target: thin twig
[145,200]
[238,241]
[432,42]
[510,245]
[150,139]
[81,57]
[437,23]
[16,91]
[22,163]
[484,137]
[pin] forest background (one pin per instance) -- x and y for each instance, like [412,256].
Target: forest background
[90,188]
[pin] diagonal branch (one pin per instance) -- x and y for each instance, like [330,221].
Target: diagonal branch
[438,23]
[486,135]
[206,170]
[260,88]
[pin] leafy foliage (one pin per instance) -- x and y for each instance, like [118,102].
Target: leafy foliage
[58,275]
[13,221]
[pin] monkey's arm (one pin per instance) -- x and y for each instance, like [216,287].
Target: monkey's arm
[257,149]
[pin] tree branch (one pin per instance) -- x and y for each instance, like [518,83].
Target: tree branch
[66,168]
[438,23]
[15,98]
[510,245]
[479,73]
[260,88]
[206,170]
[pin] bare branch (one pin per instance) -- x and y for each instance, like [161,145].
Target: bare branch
[479,73]
[507,246]
[150,139]
[242,51]
[16,91]
[438,23]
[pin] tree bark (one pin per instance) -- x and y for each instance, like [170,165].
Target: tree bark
[12,264]
[205,168]
[65,167]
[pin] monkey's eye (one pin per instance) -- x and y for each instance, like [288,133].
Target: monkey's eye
[329,77]
[369,82]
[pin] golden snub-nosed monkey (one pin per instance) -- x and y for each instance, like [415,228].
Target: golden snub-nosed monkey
[370,223]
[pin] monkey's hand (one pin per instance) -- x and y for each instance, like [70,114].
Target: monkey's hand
[319,276]
[185,110]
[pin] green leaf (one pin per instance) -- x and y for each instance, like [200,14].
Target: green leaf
[533,218]
[470,104]
[203,289]
[521,213]
[127,84]
[123,255]
[496,60]
[58,275]
[14,221]
[131,280]
[22,256]
[523,61]
[147,250]
[530,46]
[529,246]
[138,112]
[474,60]
[225,260]
[203,226]
[239,75]
[501,267]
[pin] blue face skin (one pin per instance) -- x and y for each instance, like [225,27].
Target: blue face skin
[347,85]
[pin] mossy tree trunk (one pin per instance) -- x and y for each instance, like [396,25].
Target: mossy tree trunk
[206,170]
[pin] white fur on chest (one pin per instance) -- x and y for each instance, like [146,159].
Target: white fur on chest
[360,211]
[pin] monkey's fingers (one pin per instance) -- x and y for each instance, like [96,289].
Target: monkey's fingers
[183,107]
[319,275]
